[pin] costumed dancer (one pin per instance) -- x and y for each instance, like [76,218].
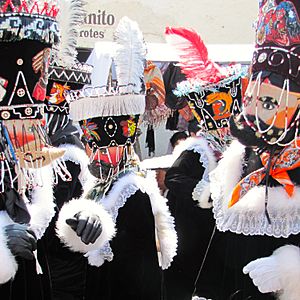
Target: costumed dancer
[28,30]
[256,193]
[25,53]
[213,93]
[108,118]
[67,268]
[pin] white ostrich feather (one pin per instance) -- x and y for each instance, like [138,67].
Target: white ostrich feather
[71,15]
[130,56]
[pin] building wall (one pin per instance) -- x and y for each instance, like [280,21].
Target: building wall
[217,21]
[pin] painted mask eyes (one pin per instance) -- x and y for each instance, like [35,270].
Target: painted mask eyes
[268,103]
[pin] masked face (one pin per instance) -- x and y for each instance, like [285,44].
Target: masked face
[268,115]
[30,144]
[274,106]
[105,162]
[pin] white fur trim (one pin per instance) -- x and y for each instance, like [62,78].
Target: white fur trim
[41,209]
[166,161]
[164,222]
[288,258]
[69,237]
[201,192]
[9,265]
[161,162]
[247,216]
[79,157]
[41,202]
[199,145]
[105,106]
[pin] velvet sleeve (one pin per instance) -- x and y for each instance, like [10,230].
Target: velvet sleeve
[185,173]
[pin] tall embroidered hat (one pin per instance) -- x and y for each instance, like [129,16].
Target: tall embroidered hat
[213,92]
[28,29]
[109,115]
[271,103]
[65,71]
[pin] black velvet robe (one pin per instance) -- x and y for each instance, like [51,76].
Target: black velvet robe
[238,250]
[194,227]
[27,284]
[67,269]
[134,272]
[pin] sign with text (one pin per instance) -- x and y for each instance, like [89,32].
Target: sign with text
[217,21]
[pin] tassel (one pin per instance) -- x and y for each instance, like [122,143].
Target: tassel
[267,184]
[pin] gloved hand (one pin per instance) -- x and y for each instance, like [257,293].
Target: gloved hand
[265,274]
[20,240]
[87,227]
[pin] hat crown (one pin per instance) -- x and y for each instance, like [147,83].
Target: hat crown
[46,8]
[278,39]
[278,23]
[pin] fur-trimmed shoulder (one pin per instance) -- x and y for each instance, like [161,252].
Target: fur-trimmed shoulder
[198,145]
[127,186]
[164,222]
[9,264]
[166,161]
[247,216]
[201,192]
[79,157]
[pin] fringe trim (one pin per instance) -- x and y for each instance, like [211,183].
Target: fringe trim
[105,106]
[156,116]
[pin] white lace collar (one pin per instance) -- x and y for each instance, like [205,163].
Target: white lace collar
[248,215]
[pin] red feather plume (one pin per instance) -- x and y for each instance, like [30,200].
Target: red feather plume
[194,61]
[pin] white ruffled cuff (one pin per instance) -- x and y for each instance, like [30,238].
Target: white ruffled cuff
[69,237]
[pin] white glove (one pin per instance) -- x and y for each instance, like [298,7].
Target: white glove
[265,274]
